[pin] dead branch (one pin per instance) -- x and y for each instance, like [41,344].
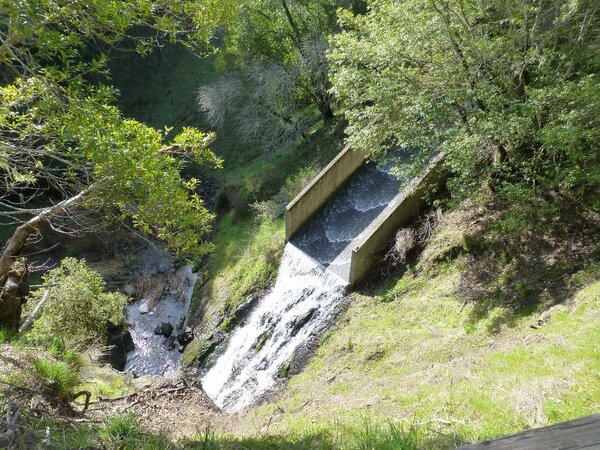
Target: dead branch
[35,313]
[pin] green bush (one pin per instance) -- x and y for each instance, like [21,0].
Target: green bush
[77,307]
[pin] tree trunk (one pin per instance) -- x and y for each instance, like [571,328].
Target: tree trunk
[325,110]
[12,289]
[14,295]
[35,313]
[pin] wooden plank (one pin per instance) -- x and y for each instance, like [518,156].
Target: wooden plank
[582,433]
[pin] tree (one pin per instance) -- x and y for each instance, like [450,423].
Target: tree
[260,103]
[509,89]
[292,34]
[66,149]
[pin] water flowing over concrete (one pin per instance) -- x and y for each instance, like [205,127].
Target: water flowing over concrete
[331,233]
[310,286]
[302,299]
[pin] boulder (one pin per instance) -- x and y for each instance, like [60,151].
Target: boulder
[180,324]
[120,343]
[144,308]
[171,342]
[165,328]
[129,289]
[302,320]
[185,336]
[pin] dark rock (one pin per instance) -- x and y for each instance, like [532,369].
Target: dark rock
[186,336]
[165,328]
[262,339]
[242,311]
[284,370]
[120,343]
[302,320]
[171,342]
[180,324]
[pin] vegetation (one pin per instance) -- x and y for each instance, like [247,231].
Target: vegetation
[515,83]
[466,344]
[481,321]
[76,306]
[63,139]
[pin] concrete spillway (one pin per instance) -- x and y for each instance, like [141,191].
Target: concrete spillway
[331,234]
[338,195]
[334,228]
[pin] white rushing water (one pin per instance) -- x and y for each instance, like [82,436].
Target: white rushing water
[302,300]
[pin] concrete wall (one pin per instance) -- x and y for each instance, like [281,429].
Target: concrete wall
[403,209]
[321,188]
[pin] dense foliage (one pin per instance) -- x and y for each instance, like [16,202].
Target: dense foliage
[77,306]
[511,82]
[60,133]
[279,71]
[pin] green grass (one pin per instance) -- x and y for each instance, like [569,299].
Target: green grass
[61,376]
[124,432]
[244,262]
[415,353]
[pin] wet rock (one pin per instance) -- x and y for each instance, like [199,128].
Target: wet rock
[302,320]
[180,324]
[144,307]
[129,289]
[171,342]
[165,328]
[120,343]
[186,336]
[262,338]
[284,369]
[244,309]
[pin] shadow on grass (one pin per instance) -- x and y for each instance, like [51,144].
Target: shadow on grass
[369,436]
[522,260]
[124,432]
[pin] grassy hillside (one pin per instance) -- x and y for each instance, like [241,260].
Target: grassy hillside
[461,361]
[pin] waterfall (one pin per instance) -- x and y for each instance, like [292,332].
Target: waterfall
[301,301]
[309,286]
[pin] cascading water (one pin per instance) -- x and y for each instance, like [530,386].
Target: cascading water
[301,300]
[309,288]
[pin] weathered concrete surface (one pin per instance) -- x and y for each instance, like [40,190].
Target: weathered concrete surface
[400,212]
[575,434]
[321,188]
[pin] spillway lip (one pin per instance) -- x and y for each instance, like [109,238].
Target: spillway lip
[318,263]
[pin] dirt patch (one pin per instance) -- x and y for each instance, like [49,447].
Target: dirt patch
[177,409]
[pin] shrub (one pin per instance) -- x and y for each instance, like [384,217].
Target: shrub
[275,206]
[78,305]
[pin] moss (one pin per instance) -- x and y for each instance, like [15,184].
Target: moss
[244,262]
[225,325]
[198,350]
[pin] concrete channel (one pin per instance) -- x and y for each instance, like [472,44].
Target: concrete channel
[400,211]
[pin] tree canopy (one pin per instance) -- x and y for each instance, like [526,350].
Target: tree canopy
[515,82]
[62,135]
[65,148]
